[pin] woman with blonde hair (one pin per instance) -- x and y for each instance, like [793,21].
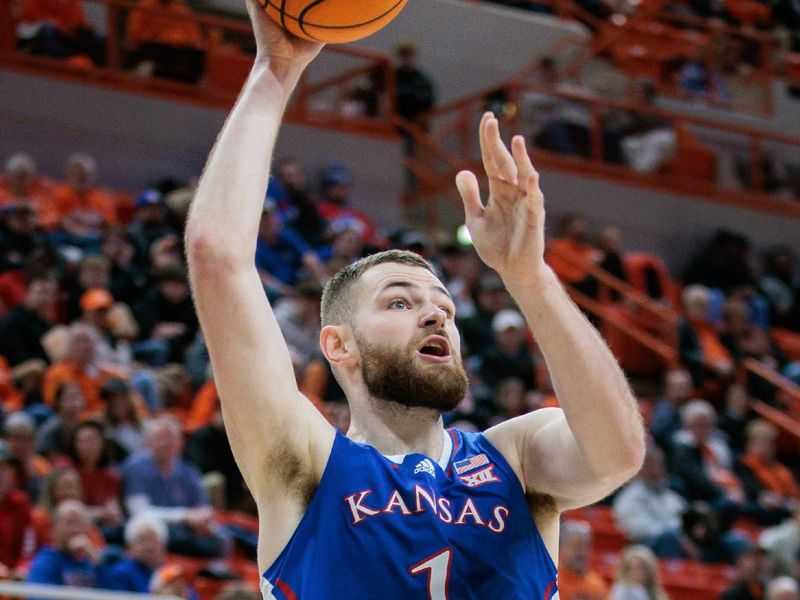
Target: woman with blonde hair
[638,577]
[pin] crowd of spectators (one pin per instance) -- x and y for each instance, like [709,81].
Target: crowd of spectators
[112,435]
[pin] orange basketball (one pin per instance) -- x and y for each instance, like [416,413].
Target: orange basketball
[333,21]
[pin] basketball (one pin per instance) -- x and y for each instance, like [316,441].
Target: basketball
[333,21]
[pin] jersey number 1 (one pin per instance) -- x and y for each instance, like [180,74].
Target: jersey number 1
[438,570]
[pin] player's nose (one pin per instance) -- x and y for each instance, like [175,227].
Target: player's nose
[433,315]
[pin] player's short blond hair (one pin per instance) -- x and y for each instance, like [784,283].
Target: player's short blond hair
[337,297]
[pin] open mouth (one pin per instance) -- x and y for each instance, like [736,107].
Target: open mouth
[435,346]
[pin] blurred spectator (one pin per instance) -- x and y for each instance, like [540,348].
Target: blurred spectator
[700,78]
[744,340]
[120,417]
[490,298]
[335,203]
[782,542]
[146,544]
[68,405]
[751,572]
[16,532]
[647,510]
[780,283]
[20,237]
[461,270]
[702,461]
[171,580]
[159,481]
[167,318]
[414,88]
[82,206]
[512,397]
[150,221]
[32,468]
[734,418]
[563,124]
[165,40]
[94,272]
[646,141]
[665,416]
[570,254]
[414,96]
[22,330]
[91,456]
[700,347]
[73,559]
[282,255]
[724,264]
[771,488]
[208,449]
[576,580]
[705,539]
[783,588]
[79,366]
[299,207]
[298,316]
[241,592]
[347,245]
[126,278]
[637,578]
[611,256]
[509,355]
[21,183]
[58,28]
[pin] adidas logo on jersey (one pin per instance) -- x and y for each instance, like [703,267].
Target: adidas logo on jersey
[425,466]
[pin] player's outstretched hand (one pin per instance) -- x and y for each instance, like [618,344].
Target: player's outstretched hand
[275,44]
[508,231]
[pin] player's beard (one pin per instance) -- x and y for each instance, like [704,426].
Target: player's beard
[393,374]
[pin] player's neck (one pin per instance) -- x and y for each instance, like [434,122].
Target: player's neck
[394,429]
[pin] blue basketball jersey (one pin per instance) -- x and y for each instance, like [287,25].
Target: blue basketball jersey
[414,528]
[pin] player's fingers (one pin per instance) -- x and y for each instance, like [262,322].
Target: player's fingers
[522,160]
[505,169]
[488,162]
[467,185]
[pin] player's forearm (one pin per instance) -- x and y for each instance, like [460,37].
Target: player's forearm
[594,394]
[227,207]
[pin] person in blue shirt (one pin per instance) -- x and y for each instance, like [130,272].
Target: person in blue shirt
[282,254]
[399,508]
[146,542]
[72,559]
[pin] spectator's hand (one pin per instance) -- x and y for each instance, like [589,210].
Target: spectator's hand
[200,519]
[770,500]
[112,513]
[508,232]
[5,572]
[276,47]
[81,546]
[166,331]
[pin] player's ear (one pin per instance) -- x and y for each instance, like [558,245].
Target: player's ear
[338,346]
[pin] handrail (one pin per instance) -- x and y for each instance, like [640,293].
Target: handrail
[456,117]
[215,29]
[788,390]
[61,592]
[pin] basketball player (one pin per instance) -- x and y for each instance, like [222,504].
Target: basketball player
[400,508]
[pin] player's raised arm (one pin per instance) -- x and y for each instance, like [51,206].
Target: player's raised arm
[581,454]
[273,430]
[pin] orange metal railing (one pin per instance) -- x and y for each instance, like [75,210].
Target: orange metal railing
[229,54]
[787,396]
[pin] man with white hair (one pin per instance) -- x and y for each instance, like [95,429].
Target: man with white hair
[83,207]
[73,559]
[702,460]
[783,588]
[20,184]
[161,482]
[146,542]
[576,580]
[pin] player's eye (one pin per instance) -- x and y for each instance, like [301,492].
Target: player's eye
[399,303]
[448,310]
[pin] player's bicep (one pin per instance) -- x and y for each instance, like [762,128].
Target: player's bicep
[263,410]
[550,461]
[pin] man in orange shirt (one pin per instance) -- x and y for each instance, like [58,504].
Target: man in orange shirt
[570,255]
[166,40]
[82,208]
[79,366]
[58,28]
[576,581]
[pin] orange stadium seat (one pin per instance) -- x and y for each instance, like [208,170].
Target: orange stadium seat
[788,341]
[607,536]
[227,68]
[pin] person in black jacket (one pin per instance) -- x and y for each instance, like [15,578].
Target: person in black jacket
[22,329]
